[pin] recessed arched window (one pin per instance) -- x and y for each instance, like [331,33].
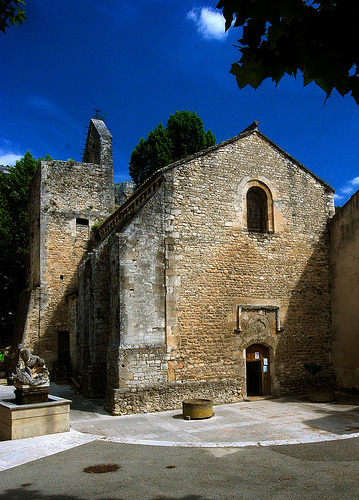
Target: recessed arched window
[257,210]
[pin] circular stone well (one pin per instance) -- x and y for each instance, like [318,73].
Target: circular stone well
[197,408]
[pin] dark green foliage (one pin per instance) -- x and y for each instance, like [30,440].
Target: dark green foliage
[183,136]
[139,168]
[186,132]
[11,13]
[14,195]
[159,148]
[319,39]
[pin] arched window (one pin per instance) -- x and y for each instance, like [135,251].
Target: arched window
[257,210]
[82,222]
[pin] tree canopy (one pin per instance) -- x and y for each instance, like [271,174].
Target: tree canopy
[14,196]
[11,13]
[319,38]
[183,136]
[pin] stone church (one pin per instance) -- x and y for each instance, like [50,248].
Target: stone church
[211,280]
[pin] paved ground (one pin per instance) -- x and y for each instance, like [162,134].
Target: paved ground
[314,471]
[276,449]
[258,422]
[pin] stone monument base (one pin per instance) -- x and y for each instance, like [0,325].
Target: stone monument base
[30,420]
[30,395]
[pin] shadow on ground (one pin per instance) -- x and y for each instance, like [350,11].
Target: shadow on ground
[332,417]
[79,403]
[25,493]
[336,422]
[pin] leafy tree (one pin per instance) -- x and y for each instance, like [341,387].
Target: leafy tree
[185,129]
[183,136]
[14,196]
[139,168]
[159,148]
[319,38]
[150,155]
[11,13]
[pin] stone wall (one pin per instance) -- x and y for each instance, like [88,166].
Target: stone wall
[344,240]
[94,320]
[123,191]
[141,275]
[121,308]
[169,396]
[215,265]
[98,147]
[226,288]
[166,305]
[67,199]
[137,338]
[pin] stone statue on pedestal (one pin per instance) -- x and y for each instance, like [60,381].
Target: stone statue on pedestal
[31,379]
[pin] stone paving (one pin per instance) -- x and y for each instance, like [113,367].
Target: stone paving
[257,422]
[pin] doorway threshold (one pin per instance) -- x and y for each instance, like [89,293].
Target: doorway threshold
[258,398]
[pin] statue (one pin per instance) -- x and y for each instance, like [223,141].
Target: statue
[30,370]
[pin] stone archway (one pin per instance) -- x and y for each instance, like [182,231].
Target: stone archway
[257,370]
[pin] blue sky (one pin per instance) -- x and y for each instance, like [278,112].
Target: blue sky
[138,62]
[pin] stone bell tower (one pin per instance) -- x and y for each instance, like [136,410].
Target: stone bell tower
[67,198]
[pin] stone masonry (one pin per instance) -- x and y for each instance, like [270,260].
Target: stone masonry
[191,288]
[344,243]
[211,280]
[67,199]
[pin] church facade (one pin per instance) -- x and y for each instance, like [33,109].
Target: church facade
[212,280]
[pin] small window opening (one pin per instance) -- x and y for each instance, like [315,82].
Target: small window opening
[257,210]
[82,222]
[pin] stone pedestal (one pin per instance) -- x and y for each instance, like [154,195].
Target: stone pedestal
[197,409]
[30,420]
[31,395]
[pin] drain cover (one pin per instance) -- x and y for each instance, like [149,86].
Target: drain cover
[101,468]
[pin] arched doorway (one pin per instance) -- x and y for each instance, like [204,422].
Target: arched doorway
[257,370]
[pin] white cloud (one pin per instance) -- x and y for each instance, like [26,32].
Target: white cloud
[9,158]
[355,181]
[347,189]
[210,23]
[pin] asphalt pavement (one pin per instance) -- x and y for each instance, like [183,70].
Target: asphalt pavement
[283,448]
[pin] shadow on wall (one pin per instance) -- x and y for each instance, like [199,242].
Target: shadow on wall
[307,336]
[301,288]
[78,340]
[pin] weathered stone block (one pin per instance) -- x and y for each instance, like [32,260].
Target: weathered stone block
[30,420]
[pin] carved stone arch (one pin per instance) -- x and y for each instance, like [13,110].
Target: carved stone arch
[263,189]
[258,207]
[270,345]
